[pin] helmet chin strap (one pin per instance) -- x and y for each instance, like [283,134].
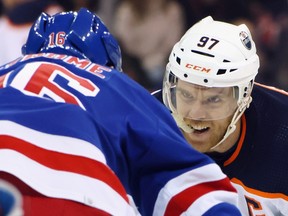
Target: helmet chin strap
[232,126]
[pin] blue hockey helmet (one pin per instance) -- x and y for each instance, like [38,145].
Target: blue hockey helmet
[81,34]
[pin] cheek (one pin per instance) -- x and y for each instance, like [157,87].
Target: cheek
[179,103]
[221,126]
[182,107]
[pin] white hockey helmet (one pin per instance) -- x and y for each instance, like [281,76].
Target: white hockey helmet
[213,54]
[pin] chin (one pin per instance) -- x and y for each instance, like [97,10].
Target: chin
[200,147]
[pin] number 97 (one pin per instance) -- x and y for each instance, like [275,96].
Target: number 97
[206,41]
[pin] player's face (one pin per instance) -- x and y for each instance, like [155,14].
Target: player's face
[208,111]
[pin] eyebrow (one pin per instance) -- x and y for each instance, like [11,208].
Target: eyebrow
[215,90]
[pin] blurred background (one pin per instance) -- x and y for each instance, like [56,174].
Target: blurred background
[147,30]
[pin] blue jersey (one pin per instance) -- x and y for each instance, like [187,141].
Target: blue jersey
[257,163]
[75,130]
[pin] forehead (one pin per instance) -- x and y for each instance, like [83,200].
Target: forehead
[193,87]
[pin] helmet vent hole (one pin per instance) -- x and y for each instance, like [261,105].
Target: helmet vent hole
[182,49]
[178,60]
[185,75]
[202,53]
[221,71]
[205,81]
[232,70]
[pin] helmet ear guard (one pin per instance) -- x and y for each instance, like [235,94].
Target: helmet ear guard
[111,45]
[85,36]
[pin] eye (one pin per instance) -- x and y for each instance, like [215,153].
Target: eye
[214,100]
[185,94]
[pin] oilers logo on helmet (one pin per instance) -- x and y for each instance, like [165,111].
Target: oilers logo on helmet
[245,39]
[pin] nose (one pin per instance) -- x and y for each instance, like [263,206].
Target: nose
[197,111]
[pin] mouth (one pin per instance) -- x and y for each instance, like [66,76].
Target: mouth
[198,129]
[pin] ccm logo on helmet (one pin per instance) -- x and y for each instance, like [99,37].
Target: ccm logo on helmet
[198,68]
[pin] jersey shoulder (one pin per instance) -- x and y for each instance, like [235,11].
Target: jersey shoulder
[270,96]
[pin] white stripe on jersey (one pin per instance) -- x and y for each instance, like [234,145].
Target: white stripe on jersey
[205,174]
[210,200]
[52,142]
[67,181]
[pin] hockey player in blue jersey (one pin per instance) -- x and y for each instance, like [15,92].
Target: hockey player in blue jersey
[207,87]
[78,137]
